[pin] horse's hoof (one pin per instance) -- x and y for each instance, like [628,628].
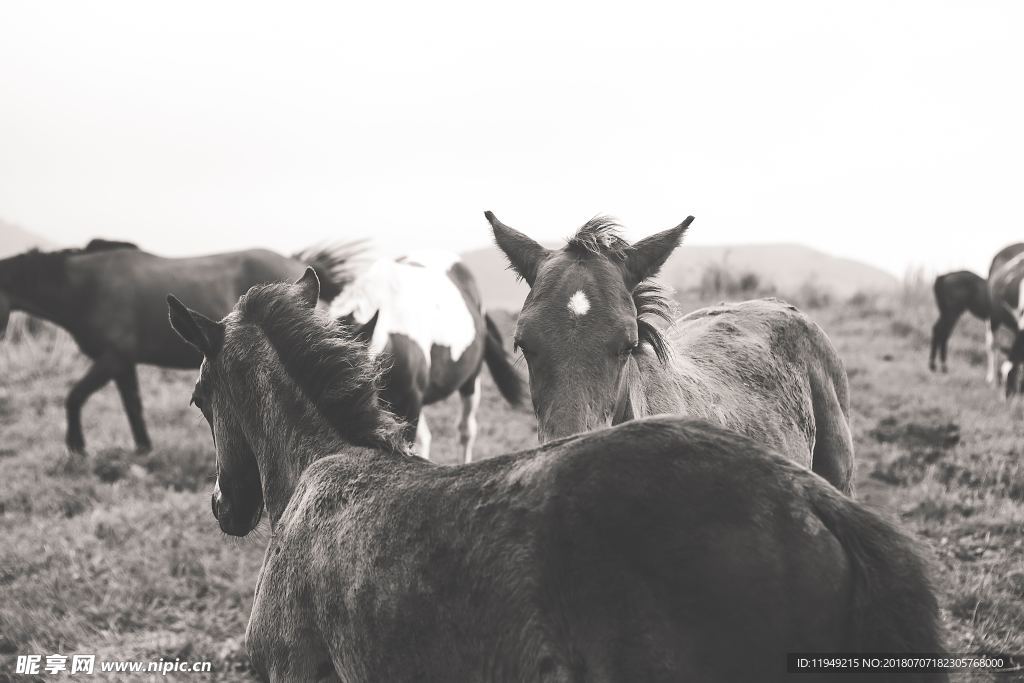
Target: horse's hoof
[144,449]
[77,450]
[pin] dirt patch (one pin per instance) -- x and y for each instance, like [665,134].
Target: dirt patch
[914,447]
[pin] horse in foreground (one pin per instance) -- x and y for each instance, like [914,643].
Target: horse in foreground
[423,312]
[1005,282]
[110,295]
[596,357]
[955,293]
[653,551]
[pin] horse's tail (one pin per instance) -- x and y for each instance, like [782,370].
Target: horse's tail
[336,264]
[893,606]
[510,384]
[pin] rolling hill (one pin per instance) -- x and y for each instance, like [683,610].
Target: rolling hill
[786,266]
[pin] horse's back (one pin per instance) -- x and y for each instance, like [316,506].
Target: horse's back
[125,290]
[1004,256]
[650,551]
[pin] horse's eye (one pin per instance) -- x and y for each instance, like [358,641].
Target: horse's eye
[629,348]
[196,401]
[518,346]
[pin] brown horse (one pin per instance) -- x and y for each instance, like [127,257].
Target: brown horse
[955,293]
[596,357]
[664,549]
[109,294]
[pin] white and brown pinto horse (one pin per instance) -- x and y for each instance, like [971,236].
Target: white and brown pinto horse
[1006,293]
[423,312]
[596,358]
[653,551]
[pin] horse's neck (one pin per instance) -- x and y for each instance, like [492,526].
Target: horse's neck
[49,302]
[284,454]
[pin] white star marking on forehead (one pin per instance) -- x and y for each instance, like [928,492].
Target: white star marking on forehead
[579,304]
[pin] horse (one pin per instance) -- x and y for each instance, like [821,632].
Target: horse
[104,296]
[655,550]
[955,293]
[1005,281]
[596,356]
[423,311]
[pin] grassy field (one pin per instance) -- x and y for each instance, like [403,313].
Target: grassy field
[119,555]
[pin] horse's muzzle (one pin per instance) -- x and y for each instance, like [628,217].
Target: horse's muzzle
[229,523]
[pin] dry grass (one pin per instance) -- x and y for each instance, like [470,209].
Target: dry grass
[120,555]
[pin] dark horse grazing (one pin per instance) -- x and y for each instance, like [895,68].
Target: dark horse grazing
[955,293]
[653,551]
[424,313]
[596,357]
[108,296]
[1005,281]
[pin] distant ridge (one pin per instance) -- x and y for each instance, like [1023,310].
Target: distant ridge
[14,240]
[786,266]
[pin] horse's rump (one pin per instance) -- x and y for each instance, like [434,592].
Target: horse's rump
[759,367]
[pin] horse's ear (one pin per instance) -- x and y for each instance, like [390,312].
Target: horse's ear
[365,331]
[195,328]
[523,254]
[648,255]
[309,287]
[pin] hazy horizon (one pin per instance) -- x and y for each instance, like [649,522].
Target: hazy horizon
[885,133]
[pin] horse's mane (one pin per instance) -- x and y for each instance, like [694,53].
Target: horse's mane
[100,244]
[653,302]
[331,367]
[602,236]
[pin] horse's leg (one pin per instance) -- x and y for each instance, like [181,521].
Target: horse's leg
[935,344]
[940,336]
[282,638]
[102,370]
[951,320]
[470,394]
[128,386]
[423,438]
[990,348]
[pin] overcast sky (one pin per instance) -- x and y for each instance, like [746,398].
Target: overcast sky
[891,132]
